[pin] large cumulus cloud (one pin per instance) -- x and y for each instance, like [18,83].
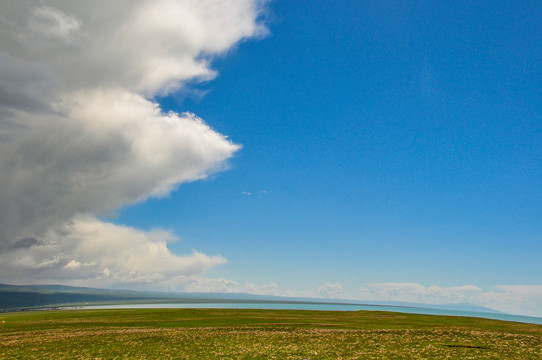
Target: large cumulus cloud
[80,135]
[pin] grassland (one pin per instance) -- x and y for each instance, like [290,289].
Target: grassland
[260,334]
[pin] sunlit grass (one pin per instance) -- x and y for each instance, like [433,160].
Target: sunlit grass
[261,334]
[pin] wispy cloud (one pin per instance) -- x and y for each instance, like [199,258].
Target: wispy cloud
[203,284]
[516,299]
[330,290]
[257,193]
[80,135]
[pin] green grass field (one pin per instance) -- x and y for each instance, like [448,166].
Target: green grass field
[260,334]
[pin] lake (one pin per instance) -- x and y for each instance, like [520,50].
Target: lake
[316,306]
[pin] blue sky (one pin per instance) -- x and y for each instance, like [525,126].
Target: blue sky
[381,143]
[390,151]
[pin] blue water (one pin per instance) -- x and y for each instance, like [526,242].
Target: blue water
[313,306]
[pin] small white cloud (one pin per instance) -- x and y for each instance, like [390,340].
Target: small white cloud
[197,283]
[433,295]
[256,194]
[73,265]
[515,299]
[520,299]
[330,290]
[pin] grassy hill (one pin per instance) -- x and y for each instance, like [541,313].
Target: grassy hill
[261,334]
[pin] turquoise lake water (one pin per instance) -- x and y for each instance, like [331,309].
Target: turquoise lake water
[313,306]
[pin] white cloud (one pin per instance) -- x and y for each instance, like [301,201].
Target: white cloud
[149,46]
[515,299]
[520,299]
[113,148]
[257,194]
[88,251]
[80,136]
[73,265]
[330,290]
[431,295]
[201,284]
[49,24]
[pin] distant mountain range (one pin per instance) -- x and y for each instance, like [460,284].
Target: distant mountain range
[26,297]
